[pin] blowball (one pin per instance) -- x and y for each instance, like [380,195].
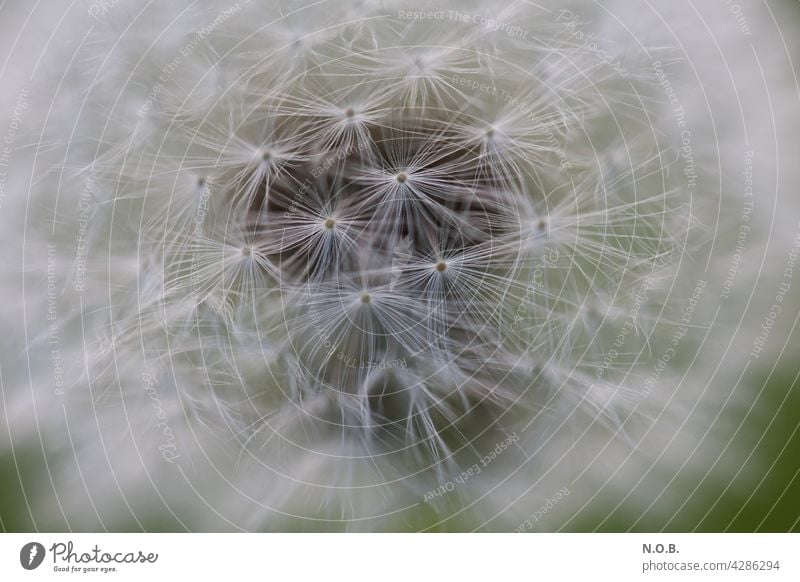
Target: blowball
[357,272]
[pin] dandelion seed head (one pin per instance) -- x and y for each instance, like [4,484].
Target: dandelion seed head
[359,255]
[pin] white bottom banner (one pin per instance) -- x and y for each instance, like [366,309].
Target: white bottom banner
[389,557]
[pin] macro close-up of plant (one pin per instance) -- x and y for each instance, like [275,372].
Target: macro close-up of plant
[395,266]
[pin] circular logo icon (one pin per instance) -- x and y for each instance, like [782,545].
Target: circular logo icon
[31,555]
